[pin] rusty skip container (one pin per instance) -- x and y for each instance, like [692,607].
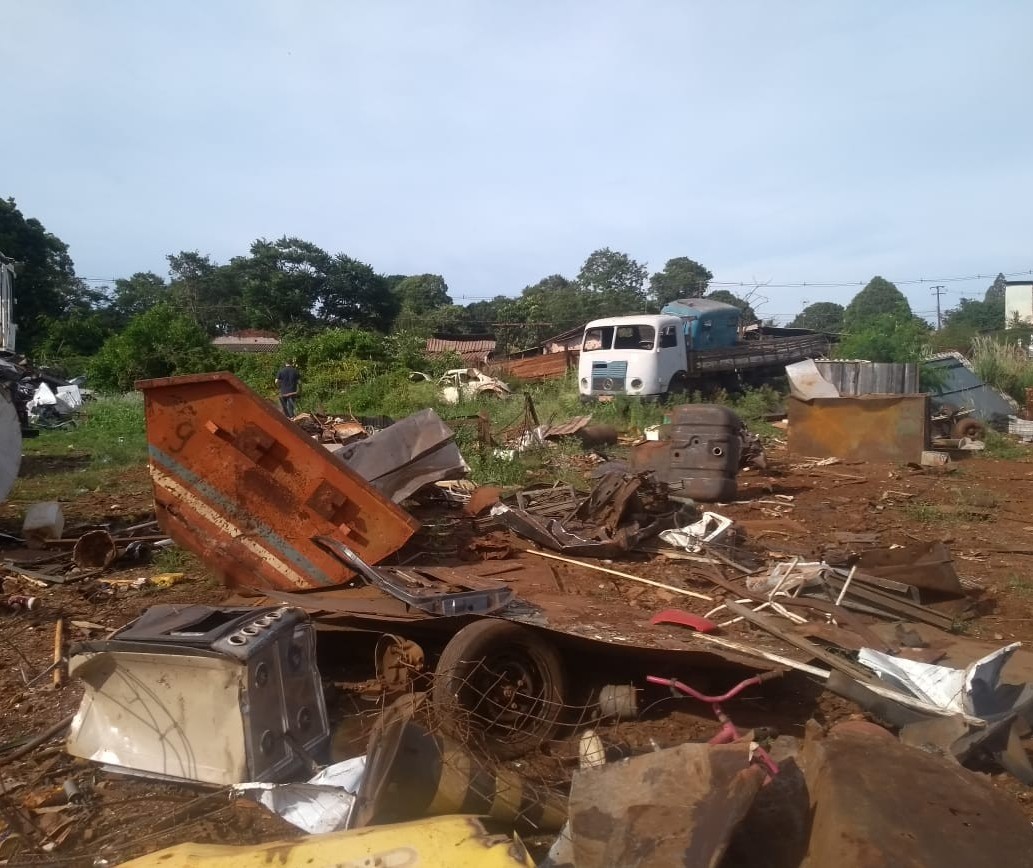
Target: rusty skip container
[245,489]
[697,454]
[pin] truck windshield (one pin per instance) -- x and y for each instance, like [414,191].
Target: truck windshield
[634,337]
[599,338]
[624,337]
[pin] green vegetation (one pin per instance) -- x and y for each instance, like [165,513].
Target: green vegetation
[822,316]
[1005,448]
[1006,366]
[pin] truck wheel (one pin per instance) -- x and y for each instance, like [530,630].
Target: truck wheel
[499,683]
[679,388]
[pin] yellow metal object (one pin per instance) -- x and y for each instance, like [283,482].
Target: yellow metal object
[438,842]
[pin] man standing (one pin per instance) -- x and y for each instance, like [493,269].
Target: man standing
[288,383]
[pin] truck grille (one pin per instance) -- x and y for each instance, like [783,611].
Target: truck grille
[609,376]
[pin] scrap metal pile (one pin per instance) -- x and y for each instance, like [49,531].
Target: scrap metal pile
[499,687]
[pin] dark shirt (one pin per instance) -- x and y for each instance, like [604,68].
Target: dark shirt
[288,379]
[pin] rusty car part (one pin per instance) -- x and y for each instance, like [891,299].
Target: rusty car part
[242,487]
[871,428]
[420,591]
[398,660]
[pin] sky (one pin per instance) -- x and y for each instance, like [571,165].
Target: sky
[497,143]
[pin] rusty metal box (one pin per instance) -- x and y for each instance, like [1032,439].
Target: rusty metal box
[888,428]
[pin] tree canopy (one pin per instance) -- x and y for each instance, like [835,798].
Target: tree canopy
[46,289]
[680,277]
[878,298]
[822,316]
[748,316]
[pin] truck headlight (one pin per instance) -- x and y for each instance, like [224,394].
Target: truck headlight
[636,383]
[584,382]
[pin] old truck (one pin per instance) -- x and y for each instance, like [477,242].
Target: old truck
[692,344]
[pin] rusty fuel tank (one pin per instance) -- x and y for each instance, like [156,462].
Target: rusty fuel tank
[241,486]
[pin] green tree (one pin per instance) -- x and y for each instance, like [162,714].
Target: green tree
[613,282]
[206,292]
[161,342]
[137,294]
[421,293]
[748,316]
[878,298]
[681,277]
[997,289]
[45,286]
[354,294]
[887,337]
[822,316]
[279,283]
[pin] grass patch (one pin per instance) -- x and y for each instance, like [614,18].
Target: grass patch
[110,431]
[1004,448]
[924,512]
[1019,585]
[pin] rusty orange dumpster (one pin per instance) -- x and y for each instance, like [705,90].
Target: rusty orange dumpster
[246,490]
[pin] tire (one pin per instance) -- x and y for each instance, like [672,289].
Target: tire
[971,428]
[678,389]
[499,683]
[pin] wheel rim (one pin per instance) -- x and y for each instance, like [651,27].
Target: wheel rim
[507,695]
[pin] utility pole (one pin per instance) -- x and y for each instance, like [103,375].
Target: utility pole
[938,291]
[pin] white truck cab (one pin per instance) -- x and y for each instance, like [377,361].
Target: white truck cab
[631,355]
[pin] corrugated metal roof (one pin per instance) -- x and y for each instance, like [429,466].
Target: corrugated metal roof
[470,351]
[963,388]
[246,344]
[858,377]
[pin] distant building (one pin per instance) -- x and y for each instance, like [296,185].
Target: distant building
[248,341]
[474,350]
[1018,301]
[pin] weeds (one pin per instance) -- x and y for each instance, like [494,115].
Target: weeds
[1019,585]
[1005,366]
[924,512]
[1004,447]
[111,430]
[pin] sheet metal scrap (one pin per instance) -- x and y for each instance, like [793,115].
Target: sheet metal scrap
[241,486]
[398,461]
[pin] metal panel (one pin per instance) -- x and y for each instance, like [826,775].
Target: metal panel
[871,378]
[244,488]
[871,428]
[963,388]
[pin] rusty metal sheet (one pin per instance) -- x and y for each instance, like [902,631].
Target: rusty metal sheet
[245,489]
[925,565]
[869,428]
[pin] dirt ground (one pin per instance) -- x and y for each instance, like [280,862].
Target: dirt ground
[982,508]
